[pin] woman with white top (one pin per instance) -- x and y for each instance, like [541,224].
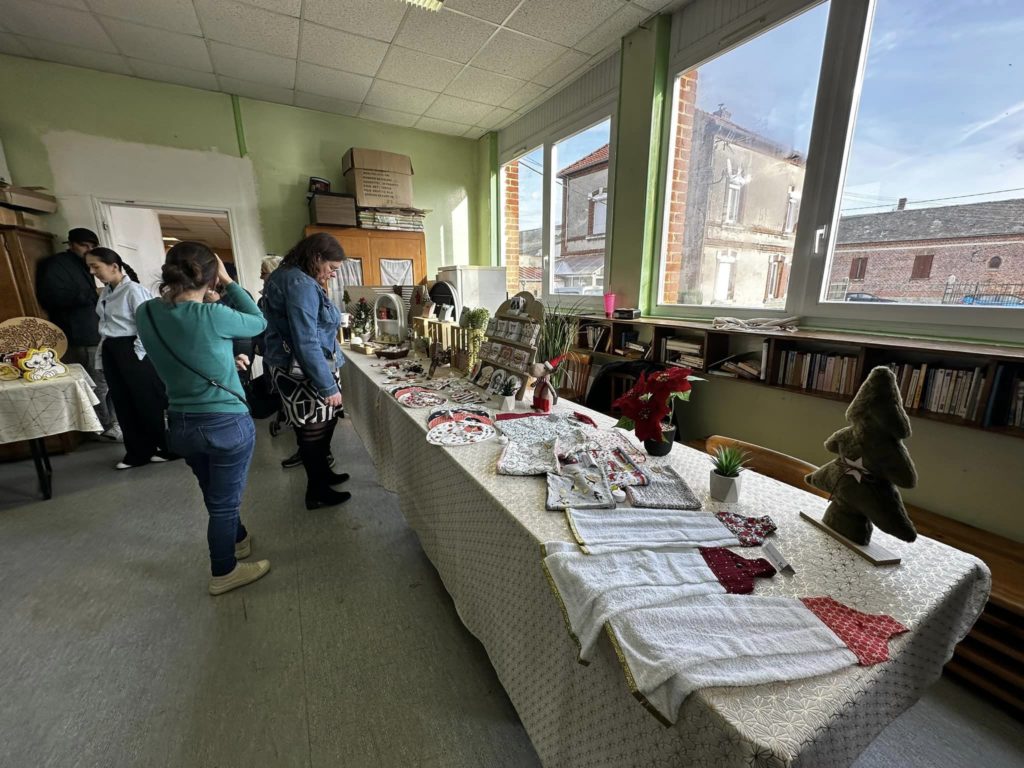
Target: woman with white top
[136,389]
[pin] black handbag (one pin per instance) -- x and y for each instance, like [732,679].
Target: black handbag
[263,399]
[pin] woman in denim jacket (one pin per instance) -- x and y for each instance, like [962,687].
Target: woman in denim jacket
[303,356]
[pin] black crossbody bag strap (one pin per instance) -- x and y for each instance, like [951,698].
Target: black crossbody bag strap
[183,364]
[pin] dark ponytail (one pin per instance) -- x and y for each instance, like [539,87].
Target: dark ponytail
[189,266]
[108,256]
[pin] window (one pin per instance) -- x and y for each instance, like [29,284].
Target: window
[740,127]
[938,171]
[922,267]
[522,239]
[858,267]
[579,208]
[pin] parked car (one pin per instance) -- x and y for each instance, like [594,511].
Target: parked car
[994,300]
[868,297]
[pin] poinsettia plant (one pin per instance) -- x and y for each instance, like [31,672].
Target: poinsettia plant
[647,407]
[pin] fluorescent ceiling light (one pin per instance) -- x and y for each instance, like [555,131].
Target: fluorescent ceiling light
[430,5]
[170,240]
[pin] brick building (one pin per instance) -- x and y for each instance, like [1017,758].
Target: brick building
[950,254]
[579,262]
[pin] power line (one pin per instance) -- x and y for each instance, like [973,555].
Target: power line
[941,199]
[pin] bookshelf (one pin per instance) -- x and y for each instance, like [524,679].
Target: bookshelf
[980,386]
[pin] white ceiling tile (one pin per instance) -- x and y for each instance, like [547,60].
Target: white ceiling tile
[158,45]
[496,118]
[457,37]
[490,10]
[326,104]
[260,91]
[56,24]
[78,57]
[401,98]
[483,86]
[566,64]
[475,133]
[515,55]
[525,95]
[458,110]
[547,20]
[12,45]
[254,66]
[391,116]
[287,7]
[441,126]
[249,27]
[331,82]
[340,50]
[370,18]
[418,69]
[653,5]
[178,75]
[612,30]
[175,15]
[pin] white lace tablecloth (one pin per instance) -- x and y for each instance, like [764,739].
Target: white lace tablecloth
[483,533]
[38,409]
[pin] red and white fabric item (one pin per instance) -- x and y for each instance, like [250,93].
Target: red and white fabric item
[751,531]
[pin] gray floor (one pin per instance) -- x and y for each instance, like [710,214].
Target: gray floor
[349,653]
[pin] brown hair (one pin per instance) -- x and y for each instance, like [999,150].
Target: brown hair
[310,251]
[189,266]
[107,256]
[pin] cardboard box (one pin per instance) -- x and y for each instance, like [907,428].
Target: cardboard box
[378,179]
[332,209]
[8,216]
[28,198]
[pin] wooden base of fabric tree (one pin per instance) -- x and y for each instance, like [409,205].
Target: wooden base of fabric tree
[872,552]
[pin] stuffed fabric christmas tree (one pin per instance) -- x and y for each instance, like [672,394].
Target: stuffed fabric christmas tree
[872,462]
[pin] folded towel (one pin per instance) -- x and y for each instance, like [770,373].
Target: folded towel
[666,490]
[670,650]
[639,528]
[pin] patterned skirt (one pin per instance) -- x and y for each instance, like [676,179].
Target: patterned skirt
[300,401]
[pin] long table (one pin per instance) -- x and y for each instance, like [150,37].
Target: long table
[483,532]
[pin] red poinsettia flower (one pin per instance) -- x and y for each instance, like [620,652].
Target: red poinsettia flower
[649,402]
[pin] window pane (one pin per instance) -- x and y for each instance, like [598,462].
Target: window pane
[522,247]
[934,187]
[579,206]
[740,136]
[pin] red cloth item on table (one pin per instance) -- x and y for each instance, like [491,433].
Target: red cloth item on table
[735,572]
[751,531]
[866,634]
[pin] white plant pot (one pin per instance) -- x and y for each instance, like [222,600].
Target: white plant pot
[345,319]
[725,488]
[508,403]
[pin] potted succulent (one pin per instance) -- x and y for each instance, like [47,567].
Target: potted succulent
[727,467]
[509,388]
[647,407]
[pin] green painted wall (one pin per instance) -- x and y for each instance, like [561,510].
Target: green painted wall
[287,145]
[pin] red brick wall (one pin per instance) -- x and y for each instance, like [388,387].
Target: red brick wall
[890,265]
[676,187]
[510,233]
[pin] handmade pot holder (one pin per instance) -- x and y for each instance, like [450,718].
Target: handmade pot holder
[523,459]
[619,467]
[541,427]
[417,397]
[580,487]
[666,490]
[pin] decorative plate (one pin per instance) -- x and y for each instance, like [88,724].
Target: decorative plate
[21,333]
[496,381]
[415,397]
[460,433]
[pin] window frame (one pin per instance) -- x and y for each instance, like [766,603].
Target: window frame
[840,81]
[919,270]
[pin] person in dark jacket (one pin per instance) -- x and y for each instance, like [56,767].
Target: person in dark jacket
[68,292]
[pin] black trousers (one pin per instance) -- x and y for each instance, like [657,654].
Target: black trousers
[139,399]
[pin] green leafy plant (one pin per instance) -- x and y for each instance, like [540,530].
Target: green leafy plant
[509,387]
[476,321]
[729,461]
[345,299]
[558,334]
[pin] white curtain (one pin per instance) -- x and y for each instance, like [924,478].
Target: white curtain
[395,271]
[351,272]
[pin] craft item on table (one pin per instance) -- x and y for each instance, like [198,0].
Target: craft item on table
[523,459]
[475,370]
[751,531]
[638,528]
[485,351]
[777,559]
[594,588]
[579,487]
[866,634]
[670,650]
[512,330]
[520,358]
[41,364]
[544,394]
[484,379]
[18,334]
[536,427]
[496,381]
[462,413]
[619,468]
[9,372]
[872,461]
[736,572]
[505,358]
[607,439]
[417,397]
[501,330]
[666,490]
[619,495]
[463,426]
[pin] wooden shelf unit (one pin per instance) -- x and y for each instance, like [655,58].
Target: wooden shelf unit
[869,350]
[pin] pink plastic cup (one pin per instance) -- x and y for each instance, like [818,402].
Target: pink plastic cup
[609,304]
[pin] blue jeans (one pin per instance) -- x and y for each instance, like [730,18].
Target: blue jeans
[217,448]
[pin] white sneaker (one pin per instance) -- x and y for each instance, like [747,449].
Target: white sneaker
[114,433]
[244,573]
[156,458]
[243,548]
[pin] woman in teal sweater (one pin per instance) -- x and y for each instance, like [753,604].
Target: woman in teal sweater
[189,339]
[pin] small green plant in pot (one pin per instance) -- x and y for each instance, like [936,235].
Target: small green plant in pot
[509,388]
[727,465]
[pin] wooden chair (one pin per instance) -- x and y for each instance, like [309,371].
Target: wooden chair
[780,466]
[576,377]
[619,383]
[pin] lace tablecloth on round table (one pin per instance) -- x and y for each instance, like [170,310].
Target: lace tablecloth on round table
[483,531]
[38,409]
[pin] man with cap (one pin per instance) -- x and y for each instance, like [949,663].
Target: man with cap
[67,291]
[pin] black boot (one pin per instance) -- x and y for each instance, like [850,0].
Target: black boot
[318,484]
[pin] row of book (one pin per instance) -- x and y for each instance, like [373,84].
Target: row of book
[953,391]
[818,371]
[1016,416]
[1006,402]
[684,353]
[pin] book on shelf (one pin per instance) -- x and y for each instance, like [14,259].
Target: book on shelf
[764,360]
[818,371]
[950,391]
[682,353]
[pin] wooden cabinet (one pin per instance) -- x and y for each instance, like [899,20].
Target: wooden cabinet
[20,252]
[384,258]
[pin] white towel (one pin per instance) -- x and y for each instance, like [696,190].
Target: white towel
[640,528]
[594,588]
[672,649]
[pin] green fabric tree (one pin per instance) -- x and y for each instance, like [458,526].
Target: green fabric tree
[872,461]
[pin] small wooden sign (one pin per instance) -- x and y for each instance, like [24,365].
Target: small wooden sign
[872,552]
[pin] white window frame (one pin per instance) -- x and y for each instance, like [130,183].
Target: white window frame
[598,197]
[792,211]
[841,77]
